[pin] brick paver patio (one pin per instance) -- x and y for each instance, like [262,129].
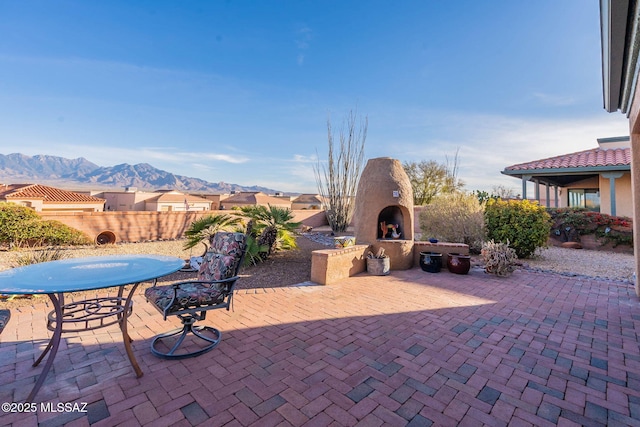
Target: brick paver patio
[412,348]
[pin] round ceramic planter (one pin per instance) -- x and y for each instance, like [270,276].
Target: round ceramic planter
[431,261]
[458,263]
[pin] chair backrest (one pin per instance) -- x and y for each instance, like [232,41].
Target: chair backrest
[224,257]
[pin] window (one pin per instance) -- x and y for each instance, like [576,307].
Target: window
[588,198]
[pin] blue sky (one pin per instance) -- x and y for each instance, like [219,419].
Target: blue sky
[241,91]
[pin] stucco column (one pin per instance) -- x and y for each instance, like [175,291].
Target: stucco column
[635,187]
[525,178]
[536,190]
[611,176]
[546,186]
[555,189]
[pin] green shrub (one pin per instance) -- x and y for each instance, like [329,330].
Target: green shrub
[13,221]
[571,223]
[524,224]
[455,218]
[56,233]
[203,229]
[21,226]
[273,226]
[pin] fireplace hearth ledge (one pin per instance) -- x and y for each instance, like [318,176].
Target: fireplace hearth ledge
[329,266]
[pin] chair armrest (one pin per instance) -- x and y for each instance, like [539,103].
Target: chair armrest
[225,292]
[177,285]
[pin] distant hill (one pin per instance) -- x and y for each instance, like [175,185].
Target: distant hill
[80,173]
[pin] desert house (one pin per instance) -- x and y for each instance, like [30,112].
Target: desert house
[308,201]
[598,179]
[157,201]
[254,198]
[43,198]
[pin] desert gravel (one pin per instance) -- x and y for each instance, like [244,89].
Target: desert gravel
[583,262]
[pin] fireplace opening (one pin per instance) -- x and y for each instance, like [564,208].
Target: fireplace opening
[390,223]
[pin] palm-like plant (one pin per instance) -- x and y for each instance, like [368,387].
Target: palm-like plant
[269,218]
[201,230]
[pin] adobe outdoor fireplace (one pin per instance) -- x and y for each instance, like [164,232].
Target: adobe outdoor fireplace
[383,216]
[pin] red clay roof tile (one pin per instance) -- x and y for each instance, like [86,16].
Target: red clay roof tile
[48,194]
[595,157]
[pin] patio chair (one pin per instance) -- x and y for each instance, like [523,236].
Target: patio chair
[5,315]
[190,300]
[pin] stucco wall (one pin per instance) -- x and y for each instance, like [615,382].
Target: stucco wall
[624,203]
[145,226]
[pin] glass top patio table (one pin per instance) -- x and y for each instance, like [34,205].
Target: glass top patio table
[55,278]
[84,274]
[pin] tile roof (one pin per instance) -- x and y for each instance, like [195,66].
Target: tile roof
[596,157]
[308,198]
[255,198]
[46,193]
[179,197]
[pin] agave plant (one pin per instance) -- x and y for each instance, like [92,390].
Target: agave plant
[201,230]
[42,255]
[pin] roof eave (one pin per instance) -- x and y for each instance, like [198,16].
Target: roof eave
[620,44]
[566,171]
[612,14]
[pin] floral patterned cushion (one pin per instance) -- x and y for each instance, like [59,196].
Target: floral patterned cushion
[5,315]
[217,266]
[220,262]
[228,243]
[190,295]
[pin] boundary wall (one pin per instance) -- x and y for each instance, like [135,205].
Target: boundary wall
[141,226]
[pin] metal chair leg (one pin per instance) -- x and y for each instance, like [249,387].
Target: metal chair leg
[188,330]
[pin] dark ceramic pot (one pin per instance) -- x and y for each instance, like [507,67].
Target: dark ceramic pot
[458,263]
[431,262]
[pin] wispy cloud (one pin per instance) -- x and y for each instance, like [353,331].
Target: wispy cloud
[303,36]
[228,158]
[487,143]
[554,99]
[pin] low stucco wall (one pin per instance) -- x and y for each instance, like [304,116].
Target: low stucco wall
[332,265]
[329,266]
[141,226]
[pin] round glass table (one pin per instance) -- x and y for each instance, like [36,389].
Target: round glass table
[55,278]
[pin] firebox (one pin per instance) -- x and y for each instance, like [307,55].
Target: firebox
[390,223]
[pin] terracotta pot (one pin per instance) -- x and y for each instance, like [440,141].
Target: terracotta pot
[431,261]
[458,263]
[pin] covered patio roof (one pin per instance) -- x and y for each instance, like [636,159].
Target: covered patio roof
[569,168]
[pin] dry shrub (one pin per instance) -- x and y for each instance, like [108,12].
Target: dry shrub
[40,255]
[499,258]
[454,218]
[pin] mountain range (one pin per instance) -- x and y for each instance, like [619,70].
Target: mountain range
[82,174]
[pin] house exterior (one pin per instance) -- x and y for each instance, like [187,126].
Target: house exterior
[158,201]
[308,201]
[620,38]
[253,198]
[598,179]
[128,200]
[176,201]
[42,198]
[215,199]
